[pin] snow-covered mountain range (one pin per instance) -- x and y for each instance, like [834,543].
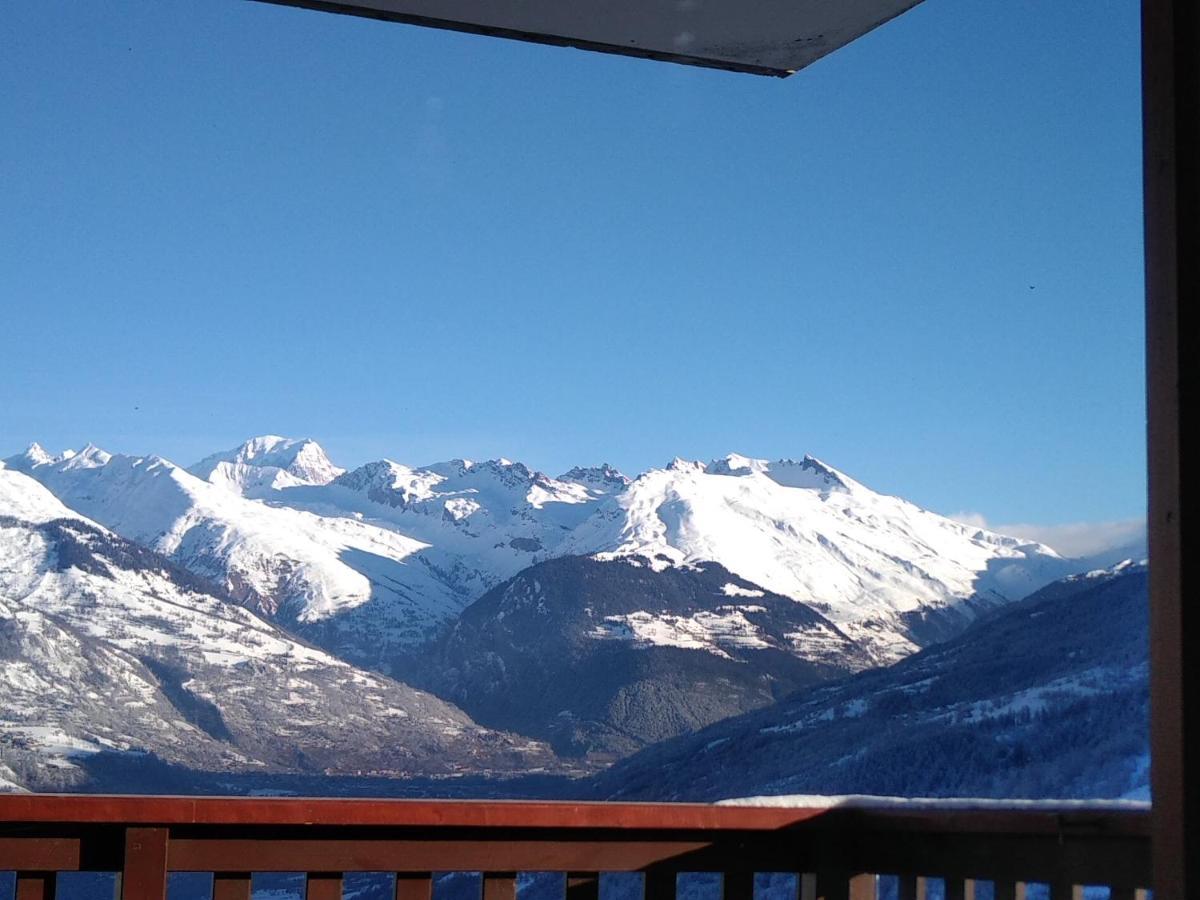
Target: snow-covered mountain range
[107,646]
[372,562]
[268,610]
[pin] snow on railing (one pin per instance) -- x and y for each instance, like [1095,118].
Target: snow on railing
[850,849]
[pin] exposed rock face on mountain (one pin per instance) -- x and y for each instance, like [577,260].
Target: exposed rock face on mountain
[606,657]
[1047,698]
[107,645]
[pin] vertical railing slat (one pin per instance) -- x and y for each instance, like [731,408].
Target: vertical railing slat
[414,886]
[35,886]
[499,886]
[862,887]
[231,886]
[913,887]
[323,886]
[145,874]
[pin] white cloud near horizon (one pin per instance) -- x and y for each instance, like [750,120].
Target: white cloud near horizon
[1072,539]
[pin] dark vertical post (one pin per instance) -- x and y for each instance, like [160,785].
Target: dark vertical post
[862,887]
[231,886]
[323,886]
[499,886]
[414,886]
[1171,110]
[145,874]
[35,885]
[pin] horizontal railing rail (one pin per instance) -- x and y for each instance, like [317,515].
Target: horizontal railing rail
[835,853]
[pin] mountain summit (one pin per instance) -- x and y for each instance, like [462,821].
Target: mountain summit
[268,462]
[889,573]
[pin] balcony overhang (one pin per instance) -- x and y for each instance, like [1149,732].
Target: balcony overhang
[764,37]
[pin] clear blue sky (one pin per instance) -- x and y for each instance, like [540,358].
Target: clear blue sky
[919,259]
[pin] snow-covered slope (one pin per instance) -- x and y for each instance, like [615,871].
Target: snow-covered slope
[1045,698]
[473,524]
[288,563]
[887,572]
[497,515]
[108,646]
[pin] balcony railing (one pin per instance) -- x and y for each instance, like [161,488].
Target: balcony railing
[836,853]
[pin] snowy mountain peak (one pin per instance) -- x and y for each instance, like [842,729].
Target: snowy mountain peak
[504,468]
[390,483]
[808,472]
[679,464]
[268,462]
[90,457]
[887,572]
[601,479]
[34,455]
[1125,566]
[736,464]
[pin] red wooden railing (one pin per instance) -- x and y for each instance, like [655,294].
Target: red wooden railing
[836,852]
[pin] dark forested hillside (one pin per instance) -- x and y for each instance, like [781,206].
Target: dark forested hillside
[1044,699]
[608,656]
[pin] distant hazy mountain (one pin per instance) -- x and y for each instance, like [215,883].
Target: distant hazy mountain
[605,657]
[1047,698]
[107,646]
